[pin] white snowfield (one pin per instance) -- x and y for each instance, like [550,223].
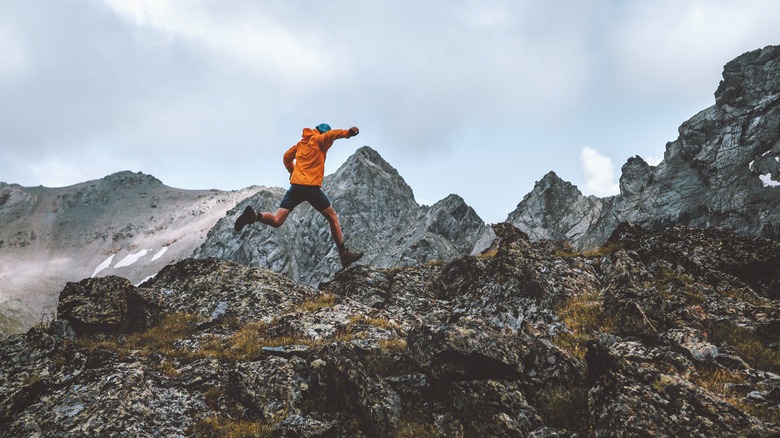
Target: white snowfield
[105,264]
[130,259]
[160,253]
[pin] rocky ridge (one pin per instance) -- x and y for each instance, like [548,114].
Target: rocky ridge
[127,224]
[722,171]
[670,333]
[378,215]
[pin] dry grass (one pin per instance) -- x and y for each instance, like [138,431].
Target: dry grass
[748,345]
[487,255]
[219,427]
[603,251]
[160,338]
[584,317]
[395,345]
[720,381]
[376,322]
[322,301]
[415,429]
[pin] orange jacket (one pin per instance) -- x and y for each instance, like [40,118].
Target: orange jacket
[306,160]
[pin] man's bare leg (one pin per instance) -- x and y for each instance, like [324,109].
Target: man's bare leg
[274,219]
[335,227]
[347,257]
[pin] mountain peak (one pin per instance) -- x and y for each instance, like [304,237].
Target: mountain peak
[129,178]
[720,172]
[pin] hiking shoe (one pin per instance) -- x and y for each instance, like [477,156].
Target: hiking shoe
[348,257]
[246,218]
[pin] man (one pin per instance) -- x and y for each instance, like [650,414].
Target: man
[306,163]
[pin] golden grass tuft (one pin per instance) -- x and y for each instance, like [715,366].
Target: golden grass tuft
[219,427]
[748,345]
[320,302]
[376,322]
[584,317]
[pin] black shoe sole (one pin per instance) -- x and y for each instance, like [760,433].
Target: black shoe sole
[246,218]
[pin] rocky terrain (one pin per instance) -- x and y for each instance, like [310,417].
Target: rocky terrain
[722,171]
[670,333]
[377,212]
[127,224]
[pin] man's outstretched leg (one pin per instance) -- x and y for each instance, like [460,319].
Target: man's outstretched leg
[347,257]
[273,219]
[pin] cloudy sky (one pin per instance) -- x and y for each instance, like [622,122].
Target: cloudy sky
[479,98]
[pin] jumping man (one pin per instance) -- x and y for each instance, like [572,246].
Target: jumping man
[306,163]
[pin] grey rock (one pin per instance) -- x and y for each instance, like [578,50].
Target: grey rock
[722,171]
[378,215]
[424,350]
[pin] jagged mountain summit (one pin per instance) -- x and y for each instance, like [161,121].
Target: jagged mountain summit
[672,333]
[127,224]
[722,171]
[377,212]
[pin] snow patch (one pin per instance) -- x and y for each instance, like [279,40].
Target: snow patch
[105,264]
[160,253]
[130,259]
[750,165]
[768,181]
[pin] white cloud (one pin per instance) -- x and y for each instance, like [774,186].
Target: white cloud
[14,61]
[251,37]
[599,173]
[673,48]
[653,161]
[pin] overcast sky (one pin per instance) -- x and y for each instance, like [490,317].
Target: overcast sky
[479,98]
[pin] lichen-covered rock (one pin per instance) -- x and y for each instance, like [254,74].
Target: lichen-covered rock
[660,333]
[108,304]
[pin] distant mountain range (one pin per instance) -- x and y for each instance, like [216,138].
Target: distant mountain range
[722,171]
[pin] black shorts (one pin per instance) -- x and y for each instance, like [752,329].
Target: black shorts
[311,194]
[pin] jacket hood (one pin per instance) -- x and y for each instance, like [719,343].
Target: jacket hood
[308,133]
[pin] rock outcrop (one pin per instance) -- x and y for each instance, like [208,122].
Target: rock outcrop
[377,212]
[722,171]
[670,333]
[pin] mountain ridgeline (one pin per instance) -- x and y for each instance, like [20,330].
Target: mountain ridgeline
[722,171]
[378,214]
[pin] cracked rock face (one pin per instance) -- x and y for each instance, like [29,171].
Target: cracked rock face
[669,333]
[722,171]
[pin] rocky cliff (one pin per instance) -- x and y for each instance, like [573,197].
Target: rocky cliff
[670,333]
[127,224]
[722,171]
[377,212]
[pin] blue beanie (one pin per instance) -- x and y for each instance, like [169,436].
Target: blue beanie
[323,127]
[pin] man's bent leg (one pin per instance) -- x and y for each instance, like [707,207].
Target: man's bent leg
[274,219]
